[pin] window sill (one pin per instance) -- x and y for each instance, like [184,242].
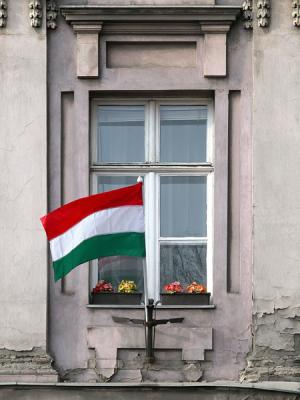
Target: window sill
[141,307]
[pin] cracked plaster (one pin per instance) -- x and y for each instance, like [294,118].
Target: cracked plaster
[276,199]
[194,340]
[33,365]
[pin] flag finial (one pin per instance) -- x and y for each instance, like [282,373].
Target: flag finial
[140,179]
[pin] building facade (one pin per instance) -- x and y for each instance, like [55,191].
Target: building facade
[201,100]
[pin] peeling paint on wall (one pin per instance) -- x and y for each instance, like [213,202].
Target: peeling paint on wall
[26,366]
[276,345]
[130,367]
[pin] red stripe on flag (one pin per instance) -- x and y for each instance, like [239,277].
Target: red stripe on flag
[60,220]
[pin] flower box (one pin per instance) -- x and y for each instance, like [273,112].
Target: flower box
[116,298]
[181,299]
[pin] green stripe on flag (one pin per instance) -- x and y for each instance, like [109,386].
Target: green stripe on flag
[117,244]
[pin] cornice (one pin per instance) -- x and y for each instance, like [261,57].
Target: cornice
[90,28]
[142,13]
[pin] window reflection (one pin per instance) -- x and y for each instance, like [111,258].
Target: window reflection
[121,134]
[183,206]
[116,268]
[183,263]
[183,133]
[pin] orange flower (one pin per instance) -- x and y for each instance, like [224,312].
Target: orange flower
[195,287]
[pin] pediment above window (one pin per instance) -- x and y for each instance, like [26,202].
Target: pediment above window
[212,21]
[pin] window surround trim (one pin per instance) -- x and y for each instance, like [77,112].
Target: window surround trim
[156,169]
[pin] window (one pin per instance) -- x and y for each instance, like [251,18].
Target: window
[168,143]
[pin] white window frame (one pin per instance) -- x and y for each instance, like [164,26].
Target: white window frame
[152,170]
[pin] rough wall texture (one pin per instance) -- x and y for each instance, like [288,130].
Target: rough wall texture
[130,367]
[276,141]
[26,366]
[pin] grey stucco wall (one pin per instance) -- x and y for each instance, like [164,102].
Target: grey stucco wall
[276,223]
[23,198]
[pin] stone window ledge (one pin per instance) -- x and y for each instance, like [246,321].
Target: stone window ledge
[141,307]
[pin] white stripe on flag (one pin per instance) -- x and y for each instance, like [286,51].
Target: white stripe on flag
[105,222]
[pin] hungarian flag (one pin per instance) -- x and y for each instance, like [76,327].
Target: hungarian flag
[101,225]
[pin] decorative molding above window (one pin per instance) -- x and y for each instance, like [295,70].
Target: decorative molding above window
[3,13]
[263,13]
[35,13]
[296,13]
[51,14]
[248,14]
[212,21]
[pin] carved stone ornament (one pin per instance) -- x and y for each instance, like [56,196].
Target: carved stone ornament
[296,13]
[3,13]
[36,13]
[51,14]
[263,13]
[248,14]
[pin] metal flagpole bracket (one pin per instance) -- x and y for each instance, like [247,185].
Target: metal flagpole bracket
[149,323]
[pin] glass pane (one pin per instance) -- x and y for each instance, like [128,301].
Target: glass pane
[183,206]
[183,133]
[114,269]
[183,263]
[121,134]
[106,183]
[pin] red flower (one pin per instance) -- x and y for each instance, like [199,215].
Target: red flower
[103,286]
[174,287]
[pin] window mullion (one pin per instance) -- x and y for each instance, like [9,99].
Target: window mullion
[151,117]
[210,224]
[210,134]
[151,232]
[151,206]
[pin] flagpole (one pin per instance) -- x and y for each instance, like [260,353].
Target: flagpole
[140,180]
[145,288]
[148,305]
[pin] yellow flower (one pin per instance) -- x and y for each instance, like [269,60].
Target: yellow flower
[126,286]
